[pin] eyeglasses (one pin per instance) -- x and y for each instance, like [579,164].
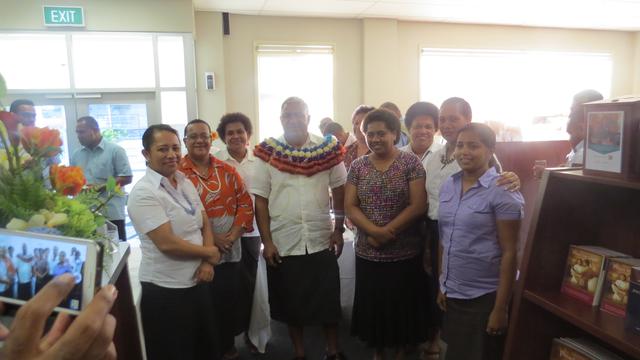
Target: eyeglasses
[196,137]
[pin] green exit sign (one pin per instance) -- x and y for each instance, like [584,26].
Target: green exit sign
[63,16]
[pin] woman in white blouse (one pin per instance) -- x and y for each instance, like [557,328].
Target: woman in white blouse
[178,254]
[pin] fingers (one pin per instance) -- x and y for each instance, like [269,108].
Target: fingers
[30,319]
[111,353]
[103,340]
[89,324]
[63,320]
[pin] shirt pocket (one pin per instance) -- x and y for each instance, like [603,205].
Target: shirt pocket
[480,215]
[447,207]
[101,171]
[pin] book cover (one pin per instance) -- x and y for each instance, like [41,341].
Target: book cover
[615,289]
[561,350]
[584,273]
[632,320]
[579,349]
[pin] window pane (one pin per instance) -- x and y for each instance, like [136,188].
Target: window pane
[523,96]
[34,61]
[54,117]
[173,105]
[308,76]
[113,61]
[171,61]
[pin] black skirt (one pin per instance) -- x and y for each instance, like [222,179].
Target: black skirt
[389,304]
[464,329]
[228,303]
[305,289]
[178,324]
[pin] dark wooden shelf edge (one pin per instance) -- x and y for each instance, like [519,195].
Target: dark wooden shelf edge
[579,175]
[606,327]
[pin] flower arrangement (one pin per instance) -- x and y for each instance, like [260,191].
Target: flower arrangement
[37,200]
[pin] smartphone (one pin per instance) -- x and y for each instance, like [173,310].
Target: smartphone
[29,260]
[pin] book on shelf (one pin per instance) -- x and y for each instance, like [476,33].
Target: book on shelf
[632,320]
[615,289]
[585,272]
[579,349]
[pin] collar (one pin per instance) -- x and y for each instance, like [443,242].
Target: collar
[312,140]
[485,180]
[188,164]
[224,155]
[99,146]
[156,178]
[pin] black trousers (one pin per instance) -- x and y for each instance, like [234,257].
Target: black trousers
[122,232]
[24,291]
[178,324]
[433,242]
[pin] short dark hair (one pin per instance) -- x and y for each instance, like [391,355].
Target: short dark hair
[90,121]
[147,137]
[361,109]
[17,103]
[586,96]
[389,106]
[332,128]
[231,118]
[195,121]
[294,100]
[421,108]
[462,105]
[487,137]
[390,120]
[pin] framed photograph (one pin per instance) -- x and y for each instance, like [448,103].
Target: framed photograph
[603,145]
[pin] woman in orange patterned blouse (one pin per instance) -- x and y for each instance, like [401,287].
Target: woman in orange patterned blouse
[230,211]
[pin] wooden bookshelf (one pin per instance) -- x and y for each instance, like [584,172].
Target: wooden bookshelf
[572,208]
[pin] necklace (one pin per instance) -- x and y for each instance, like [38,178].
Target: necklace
[200,177]
[191,210]
[444,161]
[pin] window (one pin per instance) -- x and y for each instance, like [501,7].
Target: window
[522,95]
[34,61]
[113,61]
[293,70]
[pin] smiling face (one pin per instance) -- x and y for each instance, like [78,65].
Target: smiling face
[236,137]
[27,115]
[471,153]
[421,132]
[197,138]
[295,121]
[451,121]
[164,153]
[380,139]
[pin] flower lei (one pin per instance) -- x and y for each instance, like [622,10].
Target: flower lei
[303,161]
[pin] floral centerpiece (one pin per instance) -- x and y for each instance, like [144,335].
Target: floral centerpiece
[38,197]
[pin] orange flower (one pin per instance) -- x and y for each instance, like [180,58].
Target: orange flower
[41,141]
[67,180]
[10,121]
[214,135]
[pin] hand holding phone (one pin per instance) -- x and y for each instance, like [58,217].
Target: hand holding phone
[88,336]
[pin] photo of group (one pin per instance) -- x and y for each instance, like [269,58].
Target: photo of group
[27,264]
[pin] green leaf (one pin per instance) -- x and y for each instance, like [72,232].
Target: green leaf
[111,184]
[3,87]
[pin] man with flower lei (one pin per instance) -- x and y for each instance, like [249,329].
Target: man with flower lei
[301,246]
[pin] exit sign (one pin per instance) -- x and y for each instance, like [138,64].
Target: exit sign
[63,16]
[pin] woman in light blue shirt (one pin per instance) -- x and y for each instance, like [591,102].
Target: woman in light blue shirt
[479,223]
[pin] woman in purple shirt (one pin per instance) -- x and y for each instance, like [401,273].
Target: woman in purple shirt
[385,197]
[479,223]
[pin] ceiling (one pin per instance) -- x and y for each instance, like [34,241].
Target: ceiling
[583,14]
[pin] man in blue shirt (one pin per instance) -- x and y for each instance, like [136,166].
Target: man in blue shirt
[100,159]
